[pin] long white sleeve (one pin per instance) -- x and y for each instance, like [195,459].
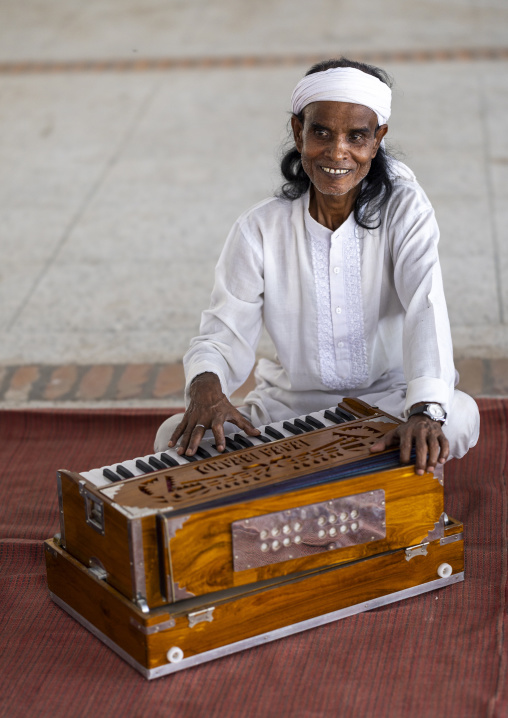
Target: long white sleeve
[427,346]
[230,329]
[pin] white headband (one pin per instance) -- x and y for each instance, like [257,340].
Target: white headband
[344,84]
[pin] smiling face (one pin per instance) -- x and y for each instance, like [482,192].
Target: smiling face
[337,142]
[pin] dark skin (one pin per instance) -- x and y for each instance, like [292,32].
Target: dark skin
[210,407]
[337,142]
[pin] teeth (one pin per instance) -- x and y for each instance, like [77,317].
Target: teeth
[331,171]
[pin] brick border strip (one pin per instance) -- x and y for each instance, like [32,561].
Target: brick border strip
[26,67]
[164,382]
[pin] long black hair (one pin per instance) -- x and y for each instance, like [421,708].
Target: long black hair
[377,188]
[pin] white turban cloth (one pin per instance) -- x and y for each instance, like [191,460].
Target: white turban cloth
[344,84]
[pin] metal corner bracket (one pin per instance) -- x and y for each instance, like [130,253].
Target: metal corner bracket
[60,509]
[137,562]
[438,531]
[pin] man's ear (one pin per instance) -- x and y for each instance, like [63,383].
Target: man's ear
[297,132]
[380,133]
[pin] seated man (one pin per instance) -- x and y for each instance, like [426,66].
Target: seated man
[342,268]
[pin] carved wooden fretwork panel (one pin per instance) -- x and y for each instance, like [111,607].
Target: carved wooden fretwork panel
[264,464]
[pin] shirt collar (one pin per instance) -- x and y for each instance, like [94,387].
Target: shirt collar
[319,231]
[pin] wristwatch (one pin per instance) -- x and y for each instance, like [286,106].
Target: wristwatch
[433,411]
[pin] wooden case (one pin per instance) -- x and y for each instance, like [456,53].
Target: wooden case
[192,631]
[159,544]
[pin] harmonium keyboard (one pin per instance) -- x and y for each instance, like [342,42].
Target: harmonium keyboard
[173,560]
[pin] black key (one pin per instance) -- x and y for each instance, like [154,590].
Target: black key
[332,416]
[264,439]
[169,460]
[243,441]
[314,422]
[292,428]
[232,445]
[345,414]
[273,433]
[143,466]
[111,475]
[301,424]
[154,461]
[202,453]
[124,473]
[189,458]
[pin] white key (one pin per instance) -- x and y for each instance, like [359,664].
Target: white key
[277,425]
[207,446]
[130,465]
[254,439]
[95,477]
[319,415]
[174,455]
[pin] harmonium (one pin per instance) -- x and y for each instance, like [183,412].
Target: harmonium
[173,561]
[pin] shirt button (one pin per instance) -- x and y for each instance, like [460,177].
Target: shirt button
[340,344]
[338,310]
[336,270]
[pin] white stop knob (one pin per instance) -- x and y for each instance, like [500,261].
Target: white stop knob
[175,654]
[444,570]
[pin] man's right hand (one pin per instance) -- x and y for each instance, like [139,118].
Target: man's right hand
[209,408]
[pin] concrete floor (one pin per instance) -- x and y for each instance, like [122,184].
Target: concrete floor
[119,184]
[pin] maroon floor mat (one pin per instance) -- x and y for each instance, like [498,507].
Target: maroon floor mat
[439,654]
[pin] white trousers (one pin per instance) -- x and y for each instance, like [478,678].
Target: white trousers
[462,428]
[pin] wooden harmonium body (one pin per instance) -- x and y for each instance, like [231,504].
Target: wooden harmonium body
[189,562]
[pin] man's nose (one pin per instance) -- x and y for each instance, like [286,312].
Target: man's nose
[338,148]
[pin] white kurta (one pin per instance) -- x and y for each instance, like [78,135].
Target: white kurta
[351,312]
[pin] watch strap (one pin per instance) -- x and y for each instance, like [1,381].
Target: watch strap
[425,409]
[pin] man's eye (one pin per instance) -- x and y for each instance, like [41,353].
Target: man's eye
[356,137]
[320,133]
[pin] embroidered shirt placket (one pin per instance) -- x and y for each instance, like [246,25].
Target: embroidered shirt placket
[357,344]
[321,263]
[338,311]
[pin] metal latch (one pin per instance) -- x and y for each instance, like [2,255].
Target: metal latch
[94,509]
[150,630]
[141,603]
[419,550]
[451,539]
[201,616]
[97,569]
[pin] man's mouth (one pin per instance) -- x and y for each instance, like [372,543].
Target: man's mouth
[333,171]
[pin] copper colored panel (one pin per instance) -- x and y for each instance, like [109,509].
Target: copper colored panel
[308,530]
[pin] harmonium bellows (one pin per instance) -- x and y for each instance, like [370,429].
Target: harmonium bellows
[173,561]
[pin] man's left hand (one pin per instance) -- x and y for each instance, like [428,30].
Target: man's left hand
[427,435]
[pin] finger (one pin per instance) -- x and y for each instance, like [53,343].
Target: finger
[184,441]
[380,445]
[434,450]
[186,437]
[245,425]
[385,441]
[177,432]
[218,433]
[195,438]
[445,448]
[421,453]
[406,442]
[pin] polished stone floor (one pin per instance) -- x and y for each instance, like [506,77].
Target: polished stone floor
[134,133]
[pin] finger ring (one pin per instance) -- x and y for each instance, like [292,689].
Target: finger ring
[202,425]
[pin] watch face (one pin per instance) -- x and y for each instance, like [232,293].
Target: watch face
[436,411]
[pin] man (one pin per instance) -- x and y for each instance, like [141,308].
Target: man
[342,268]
